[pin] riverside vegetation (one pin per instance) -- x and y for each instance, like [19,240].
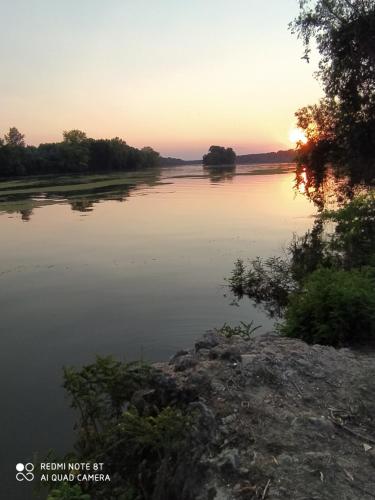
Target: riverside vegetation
[325,287]
[75,154]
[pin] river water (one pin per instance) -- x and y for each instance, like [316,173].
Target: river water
[125,264]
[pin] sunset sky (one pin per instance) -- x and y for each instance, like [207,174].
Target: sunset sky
[175,75]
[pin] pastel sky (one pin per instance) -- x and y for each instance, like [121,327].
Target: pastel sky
[176,75]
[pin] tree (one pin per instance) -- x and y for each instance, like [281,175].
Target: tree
[150,157]
[318,121]
[14,138]
[219,155]
[75,150]
[344,31]
[74,136]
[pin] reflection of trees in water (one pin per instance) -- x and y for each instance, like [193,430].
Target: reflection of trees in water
[329,186]
[88,199]
[220,173]
[26,214]
[342,238]
[81,200]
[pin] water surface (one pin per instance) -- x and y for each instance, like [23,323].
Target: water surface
[125,264]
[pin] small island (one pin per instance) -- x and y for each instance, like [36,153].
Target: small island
[218,155]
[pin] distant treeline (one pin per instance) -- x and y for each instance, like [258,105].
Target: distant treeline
[75,154]
[287,156]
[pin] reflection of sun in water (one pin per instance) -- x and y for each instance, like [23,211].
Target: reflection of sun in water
[297,135]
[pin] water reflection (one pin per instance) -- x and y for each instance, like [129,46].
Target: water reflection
[81,192]
[220,173]
[140,278]
[84,192]
[329,186]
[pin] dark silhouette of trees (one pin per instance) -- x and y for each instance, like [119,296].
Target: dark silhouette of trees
[74,136]
[14,138]
[75,154]
[344,32]
[219,155]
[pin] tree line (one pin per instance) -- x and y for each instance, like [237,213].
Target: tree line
[76,153]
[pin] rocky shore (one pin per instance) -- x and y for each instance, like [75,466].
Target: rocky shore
[279,419]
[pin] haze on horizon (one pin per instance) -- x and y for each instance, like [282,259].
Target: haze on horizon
[178,77]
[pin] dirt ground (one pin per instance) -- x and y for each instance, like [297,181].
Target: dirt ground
[287,420]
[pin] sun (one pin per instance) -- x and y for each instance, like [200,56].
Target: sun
[297,135]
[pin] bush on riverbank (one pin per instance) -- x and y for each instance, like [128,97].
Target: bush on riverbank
[139,424]
[334,307]
[324,288]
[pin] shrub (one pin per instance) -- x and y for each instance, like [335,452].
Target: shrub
[334,307]
[244,330]
[66,491]
[267,281]
[354,236]
[132,418]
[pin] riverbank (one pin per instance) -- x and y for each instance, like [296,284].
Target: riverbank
[280,419]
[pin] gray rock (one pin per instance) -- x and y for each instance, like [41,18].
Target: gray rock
[247,359]
[229,419]
[183,363]
[228,461]
[227,353]
[210,340]
[178,354]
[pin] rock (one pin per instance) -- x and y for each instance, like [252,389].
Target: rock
[178,354]
[247,359]
[141,398]
[182,363]
[228,461]
[286,460]
[210,340]
[237,488]
[229,419]
[203,353]
[262,413]
[225,352]
[322,423]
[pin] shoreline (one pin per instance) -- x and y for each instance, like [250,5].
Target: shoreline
[278,414]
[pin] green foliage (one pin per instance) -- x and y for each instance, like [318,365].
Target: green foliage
[135,438]
[237,278]
[99,392]
[308,252]
[354,236]
[219,155]
[325,287]
[75,154]
[345,34]
[128,420]
[334,307]
[66,491]
[244,330]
